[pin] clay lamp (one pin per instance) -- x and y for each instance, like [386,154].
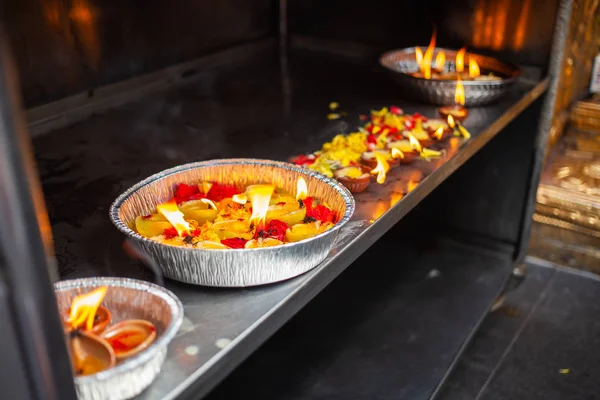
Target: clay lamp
[101,320]
[368,158]
[419,133]
[355,178]
[458,111]
[89,353]
[438,129]
[411,149]
[128,338]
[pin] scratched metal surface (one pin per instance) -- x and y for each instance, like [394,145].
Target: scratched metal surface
[263,108]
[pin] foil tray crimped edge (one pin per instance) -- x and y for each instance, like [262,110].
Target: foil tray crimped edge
[241,267]
[127,299]
[399,63]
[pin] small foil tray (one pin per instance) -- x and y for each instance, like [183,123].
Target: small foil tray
[233,267]
[127,299]
[400,64]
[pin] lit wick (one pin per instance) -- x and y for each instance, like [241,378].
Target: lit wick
[458,111]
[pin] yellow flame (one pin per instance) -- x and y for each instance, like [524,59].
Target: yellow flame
[439,132]
[474,71]
[396,153]
[460,60]
[205,187]
[419,56]
[84,307]
[451,123]
[463,131]
[414,143]
[428,57]
[171,212]
[260,196]
[381,169]
[440,61]
[301,189]
[239,198]
[210,203]
[459,95]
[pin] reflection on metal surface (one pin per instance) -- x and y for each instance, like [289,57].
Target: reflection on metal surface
[489,21]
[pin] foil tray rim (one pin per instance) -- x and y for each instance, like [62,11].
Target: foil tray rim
[345,193]
[155,348]
[441,82]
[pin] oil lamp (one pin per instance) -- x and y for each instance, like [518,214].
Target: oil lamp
[128,338]
[458,111]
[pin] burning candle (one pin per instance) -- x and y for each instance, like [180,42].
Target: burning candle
[260,196]
[381,169]
[172,213]
[301,189]
[460,60]
[458,111]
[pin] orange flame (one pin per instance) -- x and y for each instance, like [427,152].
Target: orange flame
[460,60]
[419,56]
[396,153]
[414,143]
[205,187]
[381,169]
[301,189]
[451,123]
[260,196]
[459,95]
[439,132]
[440,61]
[428,57]
[171,212]
[84,307]
[474,71]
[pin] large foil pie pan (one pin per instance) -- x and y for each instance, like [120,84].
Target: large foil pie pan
[233,267]
[401,63]
[127,299]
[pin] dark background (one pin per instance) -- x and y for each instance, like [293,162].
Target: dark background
[65,47]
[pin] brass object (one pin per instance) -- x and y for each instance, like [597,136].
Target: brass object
[583,44]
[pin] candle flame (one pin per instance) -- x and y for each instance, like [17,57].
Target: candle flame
[474,71]
[205,187]
[396,153]
[428,57]
[414,143]
[459,95]
[419,56]
[439,132]
[260,196]
[84,307]
[381,169]
[172,213]
[301,189]
[460,60]
[239,198]
[451,123]
[440,61]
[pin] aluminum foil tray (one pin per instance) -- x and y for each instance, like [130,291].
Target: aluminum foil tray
[400,63]
[233,267]
[127,299]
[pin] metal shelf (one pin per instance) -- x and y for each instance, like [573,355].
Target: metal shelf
[263,107]
[389,327]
